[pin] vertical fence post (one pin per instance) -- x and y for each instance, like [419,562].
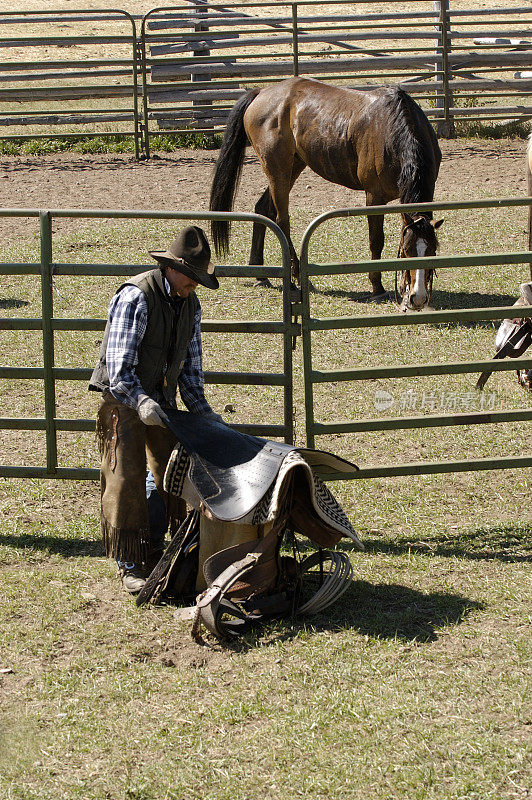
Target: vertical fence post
[307,343]
[295,39]
[45,219]
[135,72]
[288,364]
[137,59]
[529,180]
[201,9]
[445,126]
[144,128]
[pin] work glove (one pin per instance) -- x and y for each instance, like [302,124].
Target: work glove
[150,412]
[214,416]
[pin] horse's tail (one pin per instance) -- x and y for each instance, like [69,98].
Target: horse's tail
[228,169]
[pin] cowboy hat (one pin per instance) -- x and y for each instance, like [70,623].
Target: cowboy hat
[190,254]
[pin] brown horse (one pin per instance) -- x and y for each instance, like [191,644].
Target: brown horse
[379,141]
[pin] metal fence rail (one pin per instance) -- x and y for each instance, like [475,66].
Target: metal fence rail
[194,59]
[488,58]
[197,61]
[311,325]
[432,50]
[47,268]
[286,328]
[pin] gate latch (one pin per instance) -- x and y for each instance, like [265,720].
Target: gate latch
[295,295]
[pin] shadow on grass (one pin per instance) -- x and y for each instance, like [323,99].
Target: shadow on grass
[381,611]
[276,287]
[392,611]
[501,543]
[357,297]
[441,301]
[68,548]
[12,302]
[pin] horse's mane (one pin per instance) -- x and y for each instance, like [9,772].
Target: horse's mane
[415,145]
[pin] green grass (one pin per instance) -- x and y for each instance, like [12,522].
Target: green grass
[415,685]
[167,143]
[107,144]
[493,130]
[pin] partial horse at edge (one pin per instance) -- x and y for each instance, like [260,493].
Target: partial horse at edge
[529,176]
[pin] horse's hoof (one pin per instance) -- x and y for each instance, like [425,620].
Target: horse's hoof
[379,297]
[263,283]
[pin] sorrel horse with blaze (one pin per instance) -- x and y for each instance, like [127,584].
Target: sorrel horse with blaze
[379,141]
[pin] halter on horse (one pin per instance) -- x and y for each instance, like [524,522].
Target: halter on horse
[418,239]
[379,141]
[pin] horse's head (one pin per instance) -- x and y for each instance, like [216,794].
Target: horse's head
[418,238]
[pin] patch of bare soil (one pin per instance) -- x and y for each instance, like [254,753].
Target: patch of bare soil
[181,181]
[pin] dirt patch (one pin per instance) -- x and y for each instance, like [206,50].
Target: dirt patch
[181,180]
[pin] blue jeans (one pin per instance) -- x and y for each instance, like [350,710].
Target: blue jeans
[156,513]
[157,519]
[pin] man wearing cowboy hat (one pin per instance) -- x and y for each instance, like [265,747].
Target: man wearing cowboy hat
[151,348]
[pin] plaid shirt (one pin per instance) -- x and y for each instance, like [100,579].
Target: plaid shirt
[128,317]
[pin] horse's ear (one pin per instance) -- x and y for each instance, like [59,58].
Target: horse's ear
[408,220]
[437,224]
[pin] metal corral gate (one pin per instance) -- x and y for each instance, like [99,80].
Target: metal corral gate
[312,325]
[57,83]
[48,324]
[199,58]
[287,328]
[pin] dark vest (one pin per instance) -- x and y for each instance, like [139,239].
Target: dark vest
[164,346]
